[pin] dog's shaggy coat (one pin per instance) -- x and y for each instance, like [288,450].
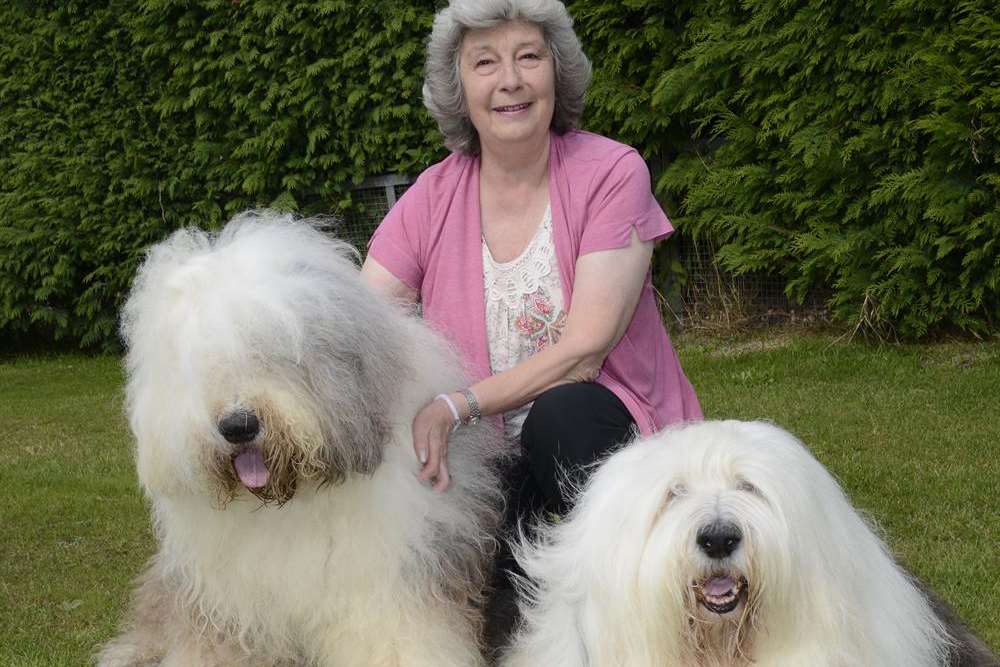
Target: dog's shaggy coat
[724,544]
[271,396]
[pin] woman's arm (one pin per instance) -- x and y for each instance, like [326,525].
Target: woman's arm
[379,278]
[606,289]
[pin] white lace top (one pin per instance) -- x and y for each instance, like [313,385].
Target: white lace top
[524,308]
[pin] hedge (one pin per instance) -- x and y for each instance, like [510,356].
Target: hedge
[848,145]
[845,145]
[120,122]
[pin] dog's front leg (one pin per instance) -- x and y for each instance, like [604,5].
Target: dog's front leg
[163,632]
[144,642]
[552,638]
[401,645]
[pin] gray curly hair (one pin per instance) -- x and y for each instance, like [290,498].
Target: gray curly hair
[444,96]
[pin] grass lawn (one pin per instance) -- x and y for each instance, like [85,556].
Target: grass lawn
[912,432]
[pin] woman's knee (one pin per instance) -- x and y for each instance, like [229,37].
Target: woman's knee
[574,423]
[553,407]
[551,414]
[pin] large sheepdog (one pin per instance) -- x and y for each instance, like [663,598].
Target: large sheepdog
[271,396]
[724,544]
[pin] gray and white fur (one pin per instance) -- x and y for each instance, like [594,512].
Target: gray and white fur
[271,396]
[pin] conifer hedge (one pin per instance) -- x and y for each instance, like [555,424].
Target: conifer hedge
[121,121]
[846,145]
[849,145]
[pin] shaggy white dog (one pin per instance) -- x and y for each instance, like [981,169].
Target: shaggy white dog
[271,397]
[724,544]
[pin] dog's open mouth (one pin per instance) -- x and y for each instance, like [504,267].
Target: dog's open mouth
[720,593]
[250,468]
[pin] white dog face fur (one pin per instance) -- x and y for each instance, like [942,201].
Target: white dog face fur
[237,378]
[718,544]
[706,530]
[728,508]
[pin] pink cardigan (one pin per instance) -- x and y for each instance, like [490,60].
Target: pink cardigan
[599,190]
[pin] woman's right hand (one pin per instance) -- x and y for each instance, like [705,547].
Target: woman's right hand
[431,428]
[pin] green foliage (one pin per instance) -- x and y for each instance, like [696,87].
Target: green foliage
[846,145]
[120,122]
[843,145]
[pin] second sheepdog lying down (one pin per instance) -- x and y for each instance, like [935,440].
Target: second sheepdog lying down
[271,396]
[724,544]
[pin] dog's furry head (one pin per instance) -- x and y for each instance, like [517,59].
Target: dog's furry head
[257,359]
[722,543]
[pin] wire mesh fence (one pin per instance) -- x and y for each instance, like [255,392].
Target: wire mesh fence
[711,297]
[372,200]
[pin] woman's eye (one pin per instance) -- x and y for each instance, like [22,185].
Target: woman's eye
[483,62]
[530,59]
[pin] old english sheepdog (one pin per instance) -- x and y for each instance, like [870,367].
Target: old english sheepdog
[724,544]
[271,396]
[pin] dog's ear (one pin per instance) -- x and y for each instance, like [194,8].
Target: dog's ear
[364,429]
[361,441]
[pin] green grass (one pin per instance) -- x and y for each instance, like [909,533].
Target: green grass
[912,432]
[73,528]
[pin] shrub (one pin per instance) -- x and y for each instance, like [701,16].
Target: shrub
[841,145]
[120,123]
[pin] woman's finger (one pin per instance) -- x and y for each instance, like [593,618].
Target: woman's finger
[443,479]
[423,427]
[420,448]
[436,442]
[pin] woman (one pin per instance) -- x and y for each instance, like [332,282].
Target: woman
[529,248]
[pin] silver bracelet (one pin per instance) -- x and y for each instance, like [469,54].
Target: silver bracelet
[474,414]
[451,406]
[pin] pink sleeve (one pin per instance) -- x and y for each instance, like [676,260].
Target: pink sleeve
[620,199]
[396,242]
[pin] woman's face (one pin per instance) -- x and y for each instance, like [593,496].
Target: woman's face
[509,81]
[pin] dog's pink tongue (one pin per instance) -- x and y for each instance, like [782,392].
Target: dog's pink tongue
[719,586]
[251,469]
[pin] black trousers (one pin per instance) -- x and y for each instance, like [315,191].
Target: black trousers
[568,427]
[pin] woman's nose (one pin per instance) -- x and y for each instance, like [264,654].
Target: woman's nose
[510,76]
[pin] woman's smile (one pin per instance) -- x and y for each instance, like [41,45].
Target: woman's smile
[512,109]
[508,78]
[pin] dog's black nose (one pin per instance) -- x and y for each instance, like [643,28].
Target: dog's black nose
[719,540]
[239,426]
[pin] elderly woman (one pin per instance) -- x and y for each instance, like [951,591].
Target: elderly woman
[529,248]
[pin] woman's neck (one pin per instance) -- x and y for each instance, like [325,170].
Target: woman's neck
[515,167]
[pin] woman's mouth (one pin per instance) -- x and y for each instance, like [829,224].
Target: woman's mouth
[512,108]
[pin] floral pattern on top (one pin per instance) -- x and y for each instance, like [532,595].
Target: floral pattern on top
[539,322]
[524,308]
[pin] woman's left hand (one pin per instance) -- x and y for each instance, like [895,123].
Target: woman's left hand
[431,428]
